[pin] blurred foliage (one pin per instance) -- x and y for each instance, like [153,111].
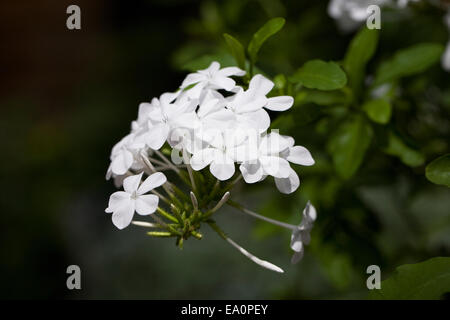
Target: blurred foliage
[380,194]
[425,280]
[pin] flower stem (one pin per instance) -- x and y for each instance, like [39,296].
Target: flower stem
[189,170]
[170,164]
[232,183]
[161,196]
[262,263]
[166,215]
[261,217]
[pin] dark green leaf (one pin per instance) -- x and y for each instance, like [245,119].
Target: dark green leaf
[409,61]
[409,156]
[378,110]
[236,50]
[322,98]
[425,280]
[349,145]
[270,28]
[360,51]
[318,74]
[438,171]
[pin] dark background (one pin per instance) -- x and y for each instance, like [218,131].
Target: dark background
[68,95]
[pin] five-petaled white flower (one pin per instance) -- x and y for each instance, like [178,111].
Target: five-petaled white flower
[272,158]
[124,156]
[166,114]
[249,105]
[225,149]
[210,78]
[122,204]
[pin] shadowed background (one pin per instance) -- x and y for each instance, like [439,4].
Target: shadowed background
[68,96]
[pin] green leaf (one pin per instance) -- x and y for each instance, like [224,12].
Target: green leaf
[421,281]
[322,98]
[409,61]
[318,74]
[409,156]
[438,171]
[359,52]
[270,28]
[378,110]
[236,50]
[349,145]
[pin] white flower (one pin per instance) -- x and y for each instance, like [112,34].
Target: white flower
[224,149]
[166,114]
[266,160]
[122,204]
[248,105]
[272,158]
[211,78]
[213,117]
[301,235]
[298,155]
[124,156]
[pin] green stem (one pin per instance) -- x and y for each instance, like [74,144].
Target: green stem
[159,234]
[166,215]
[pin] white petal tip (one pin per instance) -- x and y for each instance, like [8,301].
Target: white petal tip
[144,224]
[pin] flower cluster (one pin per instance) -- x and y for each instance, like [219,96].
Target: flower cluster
[209,122]
[218,124]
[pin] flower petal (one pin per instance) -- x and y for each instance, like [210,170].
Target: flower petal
[116,200]
[296,241]
[157,136]
[231,71]
[289,184]
[187,120]
[300,155]
[251,172]
[131,183]
[222,170]
[122,217]
[280,103]
[261,85]
[275,166]
[262,263]
[146,204]
[296,257]
[191,79]
[153,181]
[223,82]
[273,143]
[122,162]
[202,158]
[213,68]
